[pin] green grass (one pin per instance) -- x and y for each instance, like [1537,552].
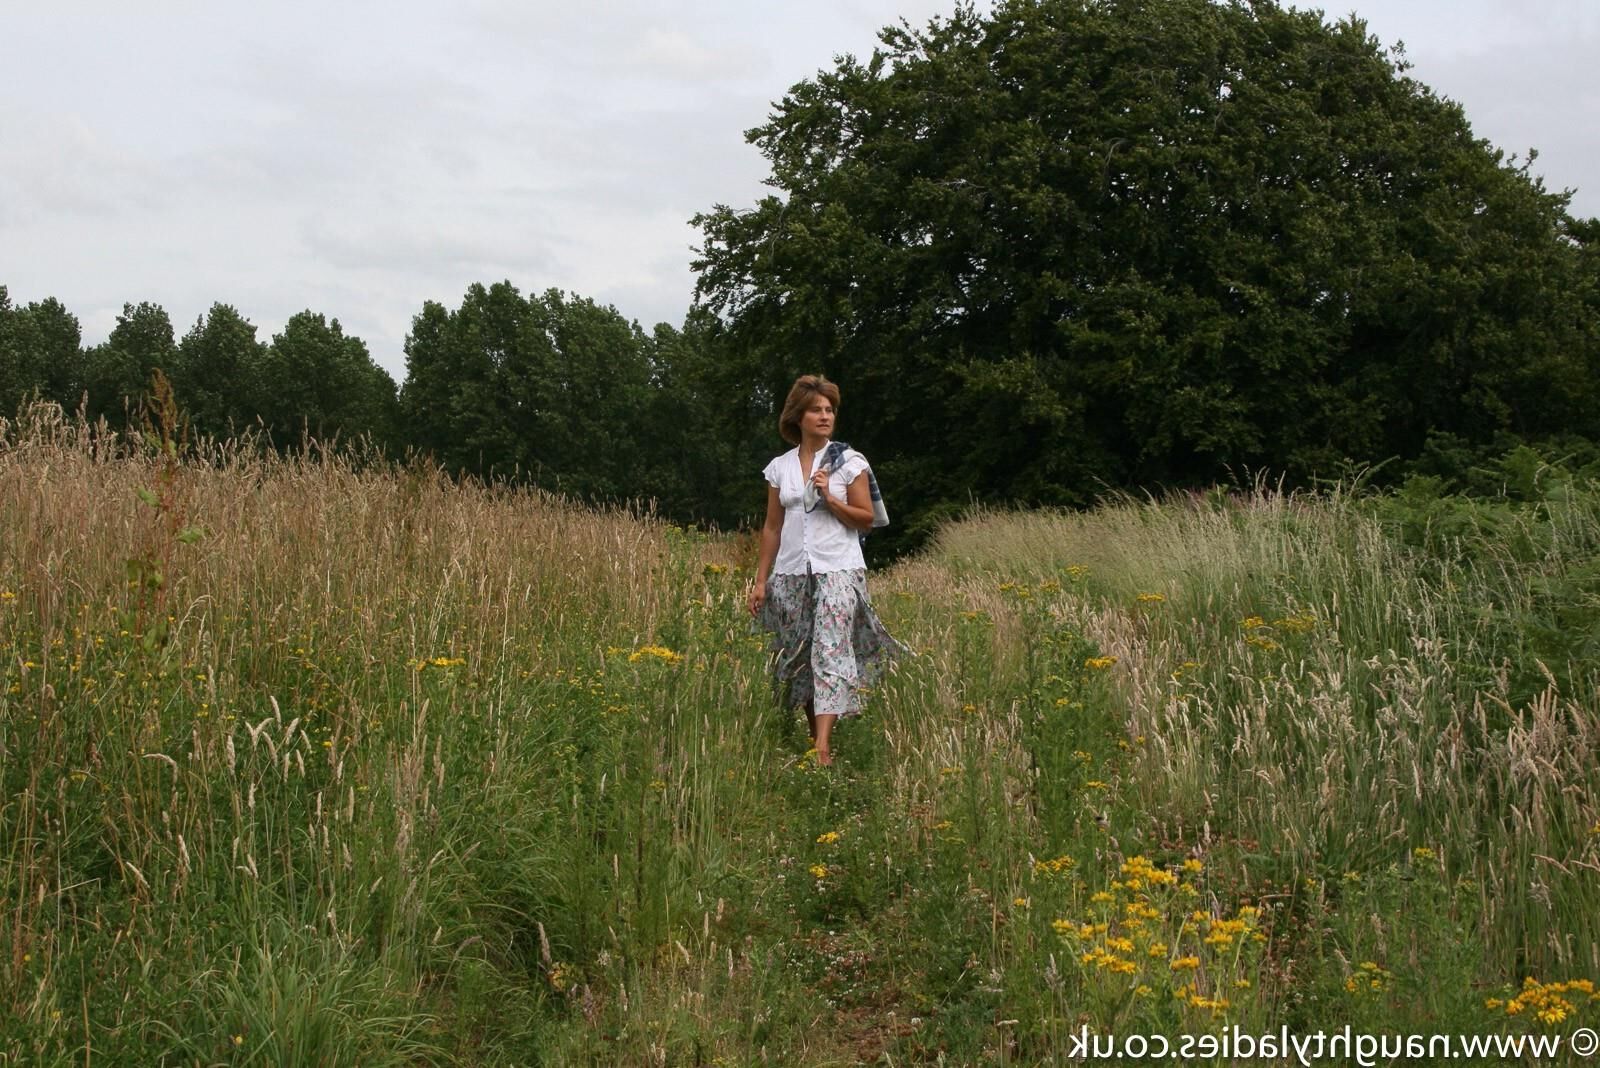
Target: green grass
[304,764]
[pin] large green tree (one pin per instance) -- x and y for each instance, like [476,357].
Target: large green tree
[705,432]
[550,388]
[316,380]
[218,374]
[1073,243]
[12,382]
[40,354]
[117,372]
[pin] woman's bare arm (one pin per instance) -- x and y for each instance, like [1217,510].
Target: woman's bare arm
[771,534]
[855,511]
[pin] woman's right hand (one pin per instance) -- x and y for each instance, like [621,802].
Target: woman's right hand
[758,596]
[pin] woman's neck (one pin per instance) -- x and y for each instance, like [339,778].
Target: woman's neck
[811,445]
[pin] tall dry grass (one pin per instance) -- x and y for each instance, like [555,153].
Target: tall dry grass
[303,726]
[1310,687]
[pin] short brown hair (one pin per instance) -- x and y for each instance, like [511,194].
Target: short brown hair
[805,387]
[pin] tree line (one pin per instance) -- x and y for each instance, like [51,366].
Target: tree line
[551,389]
[311,378]
[1049,249]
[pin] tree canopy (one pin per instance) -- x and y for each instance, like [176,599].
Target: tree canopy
[1080,243]
[117,372]
[40,352]
[311,378]
[317,381]
[546,387]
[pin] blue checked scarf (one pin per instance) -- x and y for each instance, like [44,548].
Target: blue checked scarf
[832,456]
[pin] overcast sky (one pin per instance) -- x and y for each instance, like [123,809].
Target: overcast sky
[359,158]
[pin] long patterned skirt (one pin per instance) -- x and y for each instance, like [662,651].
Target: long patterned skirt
[828,645]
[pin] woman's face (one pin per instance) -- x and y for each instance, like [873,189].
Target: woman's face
[818,418]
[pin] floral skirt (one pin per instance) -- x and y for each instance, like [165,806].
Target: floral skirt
[828,645]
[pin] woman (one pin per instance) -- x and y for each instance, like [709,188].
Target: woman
[811,582]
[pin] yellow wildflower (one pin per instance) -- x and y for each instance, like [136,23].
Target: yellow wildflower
[1369,976]
[1139,867]
[1057,866]
[1543,1001]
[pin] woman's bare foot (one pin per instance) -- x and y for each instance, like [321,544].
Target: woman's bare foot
[824,758]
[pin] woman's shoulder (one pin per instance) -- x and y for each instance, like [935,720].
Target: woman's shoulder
[783,458]
[779,464]
[852,463]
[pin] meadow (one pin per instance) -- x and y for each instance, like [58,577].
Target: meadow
[322,760]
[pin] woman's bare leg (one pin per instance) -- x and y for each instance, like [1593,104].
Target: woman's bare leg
[824,733]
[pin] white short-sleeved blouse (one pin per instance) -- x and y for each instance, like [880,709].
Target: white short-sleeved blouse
[816,538]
